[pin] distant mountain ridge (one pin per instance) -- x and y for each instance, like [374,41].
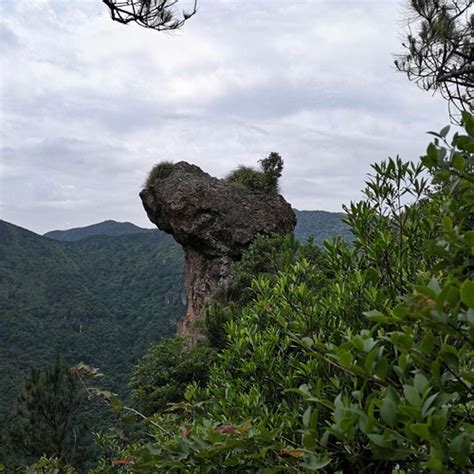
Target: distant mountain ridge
[320,225]
[109,228]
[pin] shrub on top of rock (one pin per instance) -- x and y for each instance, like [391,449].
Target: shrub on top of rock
[159,171]
[246,177]
[265,180]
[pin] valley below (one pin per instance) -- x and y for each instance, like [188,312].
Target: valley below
[99,294]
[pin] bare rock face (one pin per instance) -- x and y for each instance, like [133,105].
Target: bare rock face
[215,222]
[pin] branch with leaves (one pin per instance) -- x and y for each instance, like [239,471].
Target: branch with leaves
[440,51]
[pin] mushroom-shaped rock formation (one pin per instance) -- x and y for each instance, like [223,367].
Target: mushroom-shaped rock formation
[215,222]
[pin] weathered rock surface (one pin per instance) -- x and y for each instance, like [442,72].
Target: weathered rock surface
[215,222]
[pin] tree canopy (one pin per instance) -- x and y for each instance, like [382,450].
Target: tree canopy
[48,419]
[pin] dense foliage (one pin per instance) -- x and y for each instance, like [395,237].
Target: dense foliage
[51,418]
[321,226]
[161,377]
[101,300]
[361,362]
[102,297]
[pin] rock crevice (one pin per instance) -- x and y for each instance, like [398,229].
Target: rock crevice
[215,222]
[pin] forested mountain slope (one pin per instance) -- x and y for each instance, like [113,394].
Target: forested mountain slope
[99,294]
[321,225]
[101,300]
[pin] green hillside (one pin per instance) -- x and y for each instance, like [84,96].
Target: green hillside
[101,300]
[99,294]
[321,225]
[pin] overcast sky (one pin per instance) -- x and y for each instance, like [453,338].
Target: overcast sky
[89,105]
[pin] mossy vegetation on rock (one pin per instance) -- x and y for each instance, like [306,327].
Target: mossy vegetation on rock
[265,180]
[159,171]
[246,177]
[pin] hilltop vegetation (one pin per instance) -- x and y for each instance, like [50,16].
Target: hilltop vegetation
[159,171]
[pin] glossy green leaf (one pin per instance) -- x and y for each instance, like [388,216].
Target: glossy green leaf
[388,411]
[421,429]
[467,293]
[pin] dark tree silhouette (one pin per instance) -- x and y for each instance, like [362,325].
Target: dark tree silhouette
[272,167]
[155,14]
[440,50]
[48,419]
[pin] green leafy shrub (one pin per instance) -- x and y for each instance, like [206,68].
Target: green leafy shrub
[51,465]
[337,366]
[392,223]
[407,398]
[266,256]
[162,375]
[159,171]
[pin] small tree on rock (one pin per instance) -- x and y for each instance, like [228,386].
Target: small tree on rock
[264,179]
[272,167]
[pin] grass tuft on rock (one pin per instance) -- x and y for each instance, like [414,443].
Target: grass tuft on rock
[159,171]
[265,180]
[246,177]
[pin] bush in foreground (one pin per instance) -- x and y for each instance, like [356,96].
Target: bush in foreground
[162,375]
[363,364]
